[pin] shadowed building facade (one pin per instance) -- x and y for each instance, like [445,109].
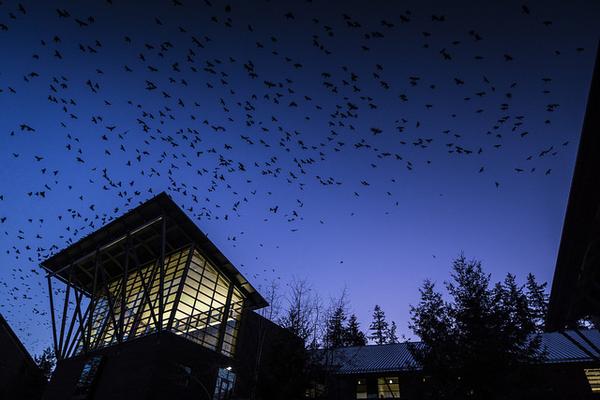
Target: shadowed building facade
[150,308]
[20,377]
[576,283]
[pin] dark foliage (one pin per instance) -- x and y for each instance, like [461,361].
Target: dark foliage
[382,332]
[354,336]
[46,362]
[285,370]
[478,344]
[335,329]
[339,333]
[379,326]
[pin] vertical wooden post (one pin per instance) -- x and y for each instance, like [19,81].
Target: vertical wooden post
[80,332]
[124,289]
[147,287]
[162,272]
[226,309]
[111,305]
[93,301]
[180,288]
[76,314]
[51,297]
[64,313]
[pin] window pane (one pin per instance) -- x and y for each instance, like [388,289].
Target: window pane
[137,306]
[361,388]
[87,376]
[388,388]
[225,384]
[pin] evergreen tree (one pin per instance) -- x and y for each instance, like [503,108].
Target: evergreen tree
[391,335]
[474,345]
[379,326]
[335,331]
[538,301]
[354,336]
[46,362]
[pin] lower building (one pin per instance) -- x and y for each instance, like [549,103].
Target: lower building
[571,370]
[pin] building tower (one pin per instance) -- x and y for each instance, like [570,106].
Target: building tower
[150,305]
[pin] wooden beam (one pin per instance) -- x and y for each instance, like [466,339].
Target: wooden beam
[161,277]
[180,288]
[51,297]
[64,313]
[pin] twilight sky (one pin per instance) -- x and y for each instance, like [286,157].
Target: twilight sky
[355,144]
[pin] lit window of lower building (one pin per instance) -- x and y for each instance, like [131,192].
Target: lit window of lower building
[593,377]
[361,388]
[388,388]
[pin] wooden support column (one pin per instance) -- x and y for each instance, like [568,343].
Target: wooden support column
[146,299]
[76,314]
[51,297]
[93,301]
[163,239]
[124,289]
[80,332]
[64,312]
[111,305]
[180,288]
[223,326]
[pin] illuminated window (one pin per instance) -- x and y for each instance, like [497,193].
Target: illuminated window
[87,377]
[593,377]
[388,388]
[225,384]
[141,306]
[199,304]
[203,304]
[233,319]
[361,388]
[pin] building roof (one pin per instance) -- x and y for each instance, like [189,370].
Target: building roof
[374,359]
[143,222]
[580,345]
[562,347]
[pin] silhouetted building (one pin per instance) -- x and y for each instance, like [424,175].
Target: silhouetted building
[153,310]
[576,284]
[571,370]
[20,377]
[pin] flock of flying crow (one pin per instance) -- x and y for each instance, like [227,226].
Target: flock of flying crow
[243,107]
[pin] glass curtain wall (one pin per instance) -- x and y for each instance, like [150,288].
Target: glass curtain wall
[198,314]
[204,306]
[141,306]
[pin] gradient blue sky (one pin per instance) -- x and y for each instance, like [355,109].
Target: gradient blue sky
[379,246]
